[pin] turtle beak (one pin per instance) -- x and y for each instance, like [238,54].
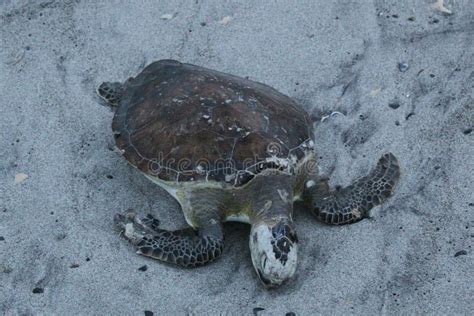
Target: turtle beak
[266,282]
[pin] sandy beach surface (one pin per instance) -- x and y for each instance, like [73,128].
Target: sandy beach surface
[401,73]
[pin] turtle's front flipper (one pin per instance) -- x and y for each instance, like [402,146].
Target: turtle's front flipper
[185,247]
[352,203]
[110,92]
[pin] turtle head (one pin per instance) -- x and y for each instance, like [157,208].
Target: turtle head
[274,246]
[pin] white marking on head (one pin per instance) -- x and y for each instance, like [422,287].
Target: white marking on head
[273,266]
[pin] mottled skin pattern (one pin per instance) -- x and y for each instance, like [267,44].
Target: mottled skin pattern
[185,247]
[352,203]
[173,117]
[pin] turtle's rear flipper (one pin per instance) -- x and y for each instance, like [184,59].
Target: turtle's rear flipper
[352,203]
[110,92]
[185,247]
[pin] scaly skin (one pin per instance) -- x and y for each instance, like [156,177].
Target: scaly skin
[353,203]
[186,247]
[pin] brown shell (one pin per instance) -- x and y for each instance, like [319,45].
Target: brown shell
[182,122]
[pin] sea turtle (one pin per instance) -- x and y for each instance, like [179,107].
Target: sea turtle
[228,149]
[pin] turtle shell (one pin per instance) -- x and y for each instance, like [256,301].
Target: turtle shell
[181,122]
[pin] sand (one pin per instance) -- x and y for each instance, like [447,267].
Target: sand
[400,72]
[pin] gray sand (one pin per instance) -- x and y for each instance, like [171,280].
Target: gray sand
[57,224]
